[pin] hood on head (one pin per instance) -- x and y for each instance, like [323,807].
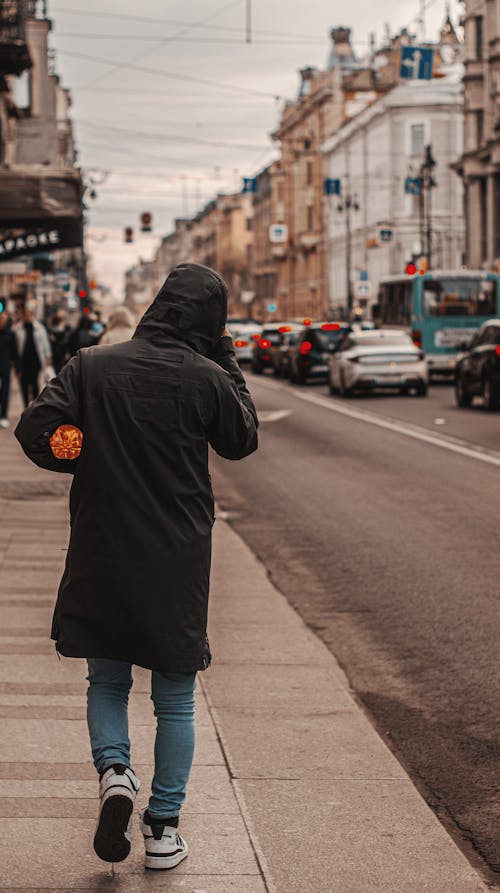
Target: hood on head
[191,306]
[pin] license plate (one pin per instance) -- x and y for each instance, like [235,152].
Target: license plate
[390,379]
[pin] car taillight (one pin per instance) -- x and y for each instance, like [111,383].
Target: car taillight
[305,348]
[240,343]
[497,350]
[256,337]
[264,344]
[417,338]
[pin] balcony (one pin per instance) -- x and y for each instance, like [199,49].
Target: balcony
[14,54]
[309,240]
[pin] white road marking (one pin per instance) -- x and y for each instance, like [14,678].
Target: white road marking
[407,429]
[273,415]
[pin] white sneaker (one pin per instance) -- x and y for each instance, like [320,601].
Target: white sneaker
[118,790]
[165,848]
[4,423]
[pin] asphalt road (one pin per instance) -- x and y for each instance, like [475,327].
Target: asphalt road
[387,545]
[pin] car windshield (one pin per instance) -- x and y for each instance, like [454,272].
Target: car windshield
[460,297]
[380,339]
[390,359]
[326,337]
[271,335]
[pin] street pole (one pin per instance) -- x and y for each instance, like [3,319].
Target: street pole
[249,21]
[348,257]
[429,184]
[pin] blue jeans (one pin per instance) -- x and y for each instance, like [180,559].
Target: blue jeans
[110,682]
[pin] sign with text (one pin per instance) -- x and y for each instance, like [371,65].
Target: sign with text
[24,240]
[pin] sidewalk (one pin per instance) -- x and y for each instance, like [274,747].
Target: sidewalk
[291,790]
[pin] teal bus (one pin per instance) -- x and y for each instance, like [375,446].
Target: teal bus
[441,310]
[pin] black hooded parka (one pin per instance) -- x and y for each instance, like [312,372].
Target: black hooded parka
[136,581]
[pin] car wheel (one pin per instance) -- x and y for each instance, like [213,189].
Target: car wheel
[343,389]
[490,397]
[277,372]
[257,370]
[422,390]
[300,378]
[331,388]
[462,396]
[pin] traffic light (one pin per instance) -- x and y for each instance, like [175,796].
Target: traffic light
[410,268]
[83,296]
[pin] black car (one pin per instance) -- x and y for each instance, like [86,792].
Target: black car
[478,367]
[269,340]
[281,354]
[310,355]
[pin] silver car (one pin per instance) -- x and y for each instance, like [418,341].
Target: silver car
[244,337]
[378,359]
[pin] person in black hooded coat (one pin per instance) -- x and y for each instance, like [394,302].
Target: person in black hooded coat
[136,581]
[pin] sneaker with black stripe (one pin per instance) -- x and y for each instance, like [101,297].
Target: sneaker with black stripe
[165,847]
[118,790]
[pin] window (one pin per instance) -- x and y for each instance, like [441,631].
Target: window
[483,216]
[417,139]
[309,173]
[309,218]
[496,214]
[479,37]
[460,297]
[249,224]
[396,303]
[479,127]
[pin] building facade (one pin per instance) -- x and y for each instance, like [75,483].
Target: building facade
[480,163]
[373,155]
[41,208]
[268,252]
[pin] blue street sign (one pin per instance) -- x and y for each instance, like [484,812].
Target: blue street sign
[414,185]
[385,234]
[271,308]
[416,63]
[332,187]
[249,184]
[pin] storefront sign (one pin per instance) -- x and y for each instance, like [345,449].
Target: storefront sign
[19,241]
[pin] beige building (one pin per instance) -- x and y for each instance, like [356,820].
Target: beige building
[219,236]
[326,101]
[480,163]
[268,254]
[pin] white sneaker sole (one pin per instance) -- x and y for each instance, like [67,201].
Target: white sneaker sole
[160,862]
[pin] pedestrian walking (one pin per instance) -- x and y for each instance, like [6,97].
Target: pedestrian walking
[120,327]
[34,353]
[135,586]
[8,359]
[59,332]
[82,336]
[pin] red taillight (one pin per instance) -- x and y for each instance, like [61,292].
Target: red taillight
[417,338]
[240,343]
[305,348]
[330,327]
[284,329]
[497,350]
[307,321]
[264,344]
[256,337]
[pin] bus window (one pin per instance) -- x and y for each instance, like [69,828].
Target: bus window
[460,297]
[396,302]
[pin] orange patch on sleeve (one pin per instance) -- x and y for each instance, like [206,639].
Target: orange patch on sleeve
[66,442]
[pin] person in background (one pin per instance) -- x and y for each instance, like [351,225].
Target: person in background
[59,332]
[120,327]
[34,353]
[82,336]
[8,358]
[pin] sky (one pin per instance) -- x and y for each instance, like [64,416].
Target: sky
[171,105]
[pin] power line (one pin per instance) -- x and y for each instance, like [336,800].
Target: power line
[161,43]
[170,75]
[149,135]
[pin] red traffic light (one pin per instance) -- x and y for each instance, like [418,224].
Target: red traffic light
[410,269]
[83,293]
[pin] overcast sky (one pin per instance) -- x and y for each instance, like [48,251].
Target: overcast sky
[199,119]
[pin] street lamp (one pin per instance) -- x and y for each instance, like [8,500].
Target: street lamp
[348,204]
